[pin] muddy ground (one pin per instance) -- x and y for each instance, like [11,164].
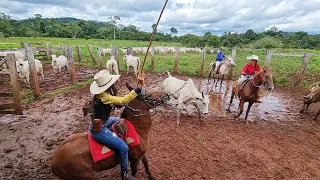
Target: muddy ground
[280,143]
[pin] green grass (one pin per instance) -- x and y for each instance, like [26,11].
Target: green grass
[285,69]
[28,94]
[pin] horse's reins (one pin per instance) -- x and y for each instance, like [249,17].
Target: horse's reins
[148,101]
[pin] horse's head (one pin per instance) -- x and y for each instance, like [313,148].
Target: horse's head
[266,78]
[230,62]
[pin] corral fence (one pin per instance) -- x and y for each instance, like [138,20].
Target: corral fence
[10,78]
[96,53]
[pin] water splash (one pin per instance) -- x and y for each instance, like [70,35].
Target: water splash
[271,108]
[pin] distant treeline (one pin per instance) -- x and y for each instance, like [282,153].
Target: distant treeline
[76,28]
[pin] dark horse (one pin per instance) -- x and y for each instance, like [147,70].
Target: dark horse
[72,159]
[249,91]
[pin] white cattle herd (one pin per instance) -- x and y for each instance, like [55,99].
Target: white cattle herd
[185,92]
[157,50]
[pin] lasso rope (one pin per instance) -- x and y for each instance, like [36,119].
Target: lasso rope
[140,75]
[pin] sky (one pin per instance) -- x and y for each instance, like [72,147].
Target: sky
[188,16]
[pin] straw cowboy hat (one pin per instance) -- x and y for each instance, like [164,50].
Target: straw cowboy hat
[253,57]
[102,81]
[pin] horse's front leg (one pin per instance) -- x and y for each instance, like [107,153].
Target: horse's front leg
[146,167]
[134,165]
[248,109]
[217,80]
[221,80]
[240,110]
[232,95]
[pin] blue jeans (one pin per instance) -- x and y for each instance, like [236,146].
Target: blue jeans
[109,139]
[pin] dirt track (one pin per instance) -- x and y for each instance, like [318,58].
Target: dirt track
[281,144]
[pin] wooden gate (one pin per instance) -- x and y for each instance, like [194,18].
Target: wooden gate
[10,90]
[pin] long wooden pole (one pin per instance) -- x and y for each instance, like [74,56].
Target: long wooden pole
[153,34]
[141,73]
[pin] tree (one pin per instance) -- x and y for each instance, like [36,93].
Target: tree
[113,20]
[5,26]
[74,29]
[173,30]
[211,40]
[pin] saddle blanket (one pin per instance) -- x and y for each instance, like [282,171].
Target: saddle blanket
[100,152]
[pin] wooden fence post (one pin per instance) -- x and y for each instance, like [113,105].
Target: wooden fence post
[268,58]
[63,49]
[22,45]
[14,83]
[99,57]
[72,70]
[48,51]
[78,49]
[203,57]
[33,71]
[233,56]
[303,70]
[91,54]
[116,56]
[152,58]
[176,59]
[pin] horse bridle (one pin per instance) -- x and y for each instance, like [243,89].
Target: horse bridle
[261,76]
[150,102]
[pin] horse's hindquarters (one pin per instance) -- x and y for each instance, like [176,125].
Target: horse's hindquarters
[73,160]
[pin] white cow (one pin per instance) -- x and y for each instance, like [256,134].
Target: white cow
[186,93]
[59,62]
[132,61]
[24,71]
[106,51]
[112,66]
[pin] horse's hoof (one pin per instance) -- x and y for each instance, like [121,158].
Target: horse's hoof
[151,178]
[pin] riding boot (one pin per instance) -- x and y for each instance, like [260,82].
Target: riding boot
[126,176]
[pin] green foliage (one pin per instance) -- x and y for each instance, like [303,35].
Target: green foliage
[266,43]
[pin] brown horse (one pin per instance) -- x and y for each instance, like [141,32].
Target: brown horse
[249,91]
[72,159]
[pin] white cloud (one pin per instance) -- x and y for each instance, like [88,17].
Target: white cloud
[188,16]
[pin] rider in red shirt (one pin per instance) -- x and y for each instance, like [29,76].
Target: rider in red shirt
[249,70]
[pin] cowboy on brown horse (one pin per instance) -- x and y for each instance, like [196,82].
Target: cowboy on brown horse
[249,70]
[103,91]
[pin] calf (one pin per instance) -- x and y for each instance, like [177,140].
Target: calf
[24,71]
[59,62]
[112,66]
[186,93]
[132,61]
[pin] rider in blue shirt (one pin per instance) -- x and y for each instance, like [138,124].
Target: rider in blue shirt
[219,58]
